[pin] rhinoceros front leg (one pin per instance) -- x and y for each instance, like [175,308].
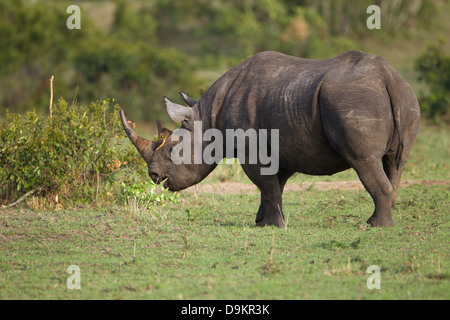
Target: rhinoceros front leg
[270,210]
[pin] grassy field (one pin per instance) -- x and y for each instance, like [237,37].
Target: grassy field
[207,247]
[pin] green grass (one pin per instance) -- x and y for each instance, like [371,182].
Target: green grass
[207,247]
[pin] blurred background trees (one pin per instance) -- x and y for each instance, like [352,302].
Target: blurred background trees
[139,51]
[433,66]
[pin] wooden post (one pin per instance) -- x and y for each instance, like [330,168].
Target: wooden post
[51,97]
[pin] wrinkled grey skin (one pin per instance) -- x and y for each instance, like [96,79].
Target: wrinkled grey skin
[351,111]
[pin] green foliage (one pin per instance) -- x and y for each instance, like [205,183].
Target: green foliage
[345,18]
[35,44]
[307,35]
[433,66]
[124,62]
[229,31]
[145,195]
[71,154]
[138,51]
[139,75]
[135,25]
[245,27]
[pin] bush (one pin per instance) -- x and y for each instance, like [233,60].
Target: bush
[76,154]
[434,69]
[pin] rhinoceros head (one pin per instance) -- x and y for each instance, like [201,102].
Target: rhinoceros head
[157,154]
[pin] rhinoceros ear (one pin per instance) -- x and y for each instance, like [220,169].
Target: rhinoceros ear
[190,102]
[177,112]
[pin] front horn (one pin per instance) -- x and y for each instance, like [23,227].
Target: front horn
[143,146]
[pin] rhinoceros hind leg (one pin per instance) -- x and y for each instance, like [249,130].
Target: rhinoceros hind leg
[393,173]
[376,182]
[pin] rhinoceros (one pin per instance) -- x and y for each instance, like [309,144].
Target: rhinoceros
[350,111]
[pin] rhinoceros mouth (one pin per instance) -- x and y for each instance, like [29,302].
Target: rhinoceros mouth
[157,178]
[166,184]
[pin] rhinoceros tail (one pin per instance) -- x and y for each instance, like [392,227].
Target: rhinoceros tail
[399,154]
[396,109]
[403,104]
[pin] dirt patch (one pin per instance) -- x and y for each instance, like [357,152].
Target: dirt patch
[239,188]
